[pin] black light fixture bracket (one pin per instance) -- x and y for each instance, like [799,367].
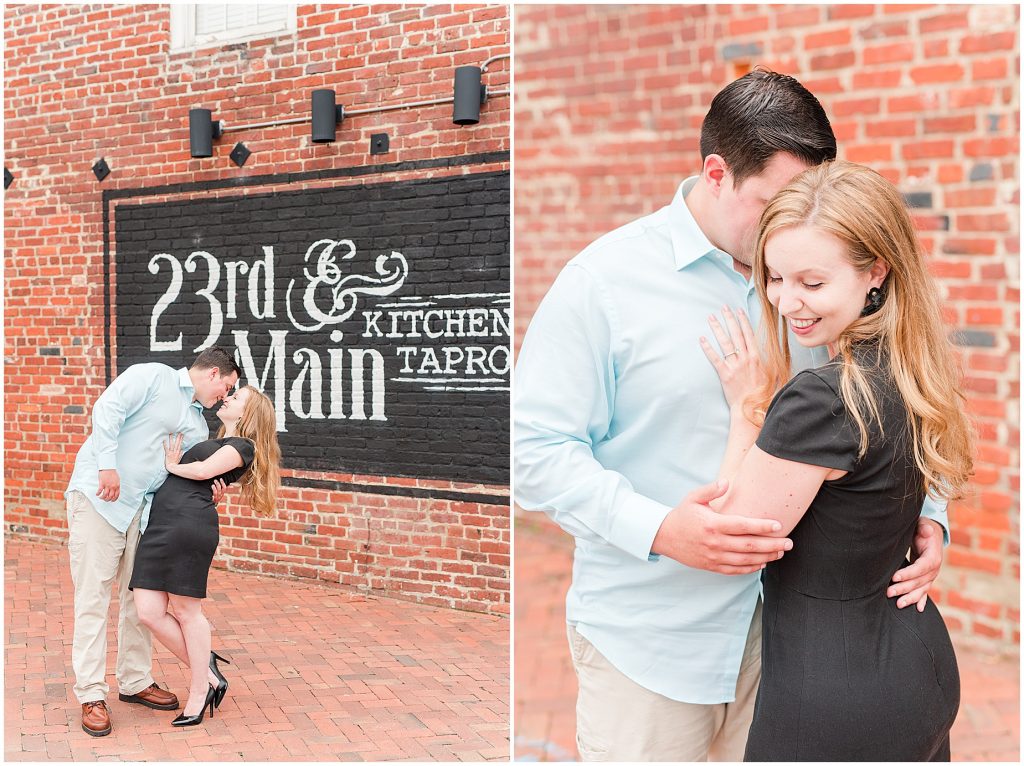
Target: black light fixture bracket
[379,143]
[484,93]
[240,154]
[101,169]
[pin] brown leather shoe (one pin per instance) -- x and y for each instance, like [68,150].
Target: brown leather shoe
[96,718]
[152,696]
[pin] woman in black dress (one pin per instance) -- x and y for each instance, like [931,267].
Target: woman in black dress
[844,459]
[175,553]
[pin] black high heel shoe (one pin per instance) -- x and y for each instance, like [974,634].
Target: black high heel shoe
[195,720]
[222,683]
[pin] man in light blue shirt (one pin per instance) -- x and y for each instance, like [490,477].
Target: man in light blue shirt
[117,471]
[619,416]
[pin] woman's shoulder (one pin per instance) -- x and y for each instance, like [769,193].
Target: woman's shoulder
[245,447]
[823,386]
[229,439]
[205,444]
[807,422]
[868,357]
[821,381]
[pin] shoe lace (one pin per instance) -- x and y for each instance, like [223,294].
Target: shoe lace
[90,705]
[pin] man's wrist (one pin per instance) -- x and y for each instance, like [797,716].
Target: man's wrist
[638,522]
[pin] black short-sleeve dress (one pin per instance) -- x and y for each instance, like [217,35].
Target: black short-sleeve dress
[177,548]
[846,676]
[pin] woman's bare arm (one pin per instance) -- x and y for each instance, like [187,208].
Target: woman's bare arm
[221,461]
[769,487]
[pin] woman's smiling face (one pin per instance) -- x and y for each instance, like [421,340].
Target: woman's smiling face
[234,405]
[813,284]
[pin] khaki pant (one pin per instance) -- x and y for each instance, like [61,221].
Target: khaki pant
[99,553]
[619,720]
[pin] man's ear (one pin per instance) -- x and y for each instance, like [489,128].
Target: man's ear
[713,173]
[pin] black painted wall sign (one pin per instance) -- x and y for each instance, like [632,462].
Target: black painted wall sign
[376,316]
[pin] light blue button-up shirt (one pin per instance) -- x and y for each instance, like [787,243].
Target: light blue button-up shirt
[618,415]
[130,422]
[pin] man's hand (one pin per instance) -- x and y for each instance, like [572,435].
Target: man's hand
[219,490]
[695,535]
[110,485]
[914,581]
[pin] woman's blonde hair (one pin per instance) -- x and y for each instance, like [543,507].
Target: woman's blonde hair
[866,213]
[259,424]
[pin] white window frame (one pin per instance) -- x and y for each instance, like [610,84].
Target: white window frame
[183,29]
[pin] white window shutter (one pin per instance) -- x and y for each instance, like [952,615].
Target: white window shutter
[207,24]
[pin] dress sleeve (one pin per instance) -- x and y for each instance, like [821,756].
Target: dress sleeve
[245,449]
[807,422]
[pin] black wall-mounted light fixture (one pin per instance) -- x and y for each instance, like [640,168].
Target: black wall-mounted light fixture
[327,116]
[470,95]
[8,178]
[101,169]
[202,129]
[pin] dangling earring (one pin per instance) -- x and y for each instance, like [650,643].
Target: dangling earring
[874,302]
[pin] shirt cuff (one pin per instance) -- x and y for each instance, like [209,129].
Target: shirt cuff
[937,511]
[107,461]
[637,522]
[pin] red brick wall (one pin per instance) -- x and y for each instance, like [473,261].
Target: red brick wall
[84,82]
[609,102]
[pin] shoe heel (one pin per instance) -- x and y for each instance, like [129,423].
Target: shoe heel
[222,683]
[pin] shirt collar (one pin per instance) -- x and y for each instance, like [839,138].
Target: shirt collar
[689,243]
[185,382]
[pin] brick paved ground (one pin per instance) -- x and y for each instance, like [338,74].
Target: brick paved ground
[318,674]
[987,728]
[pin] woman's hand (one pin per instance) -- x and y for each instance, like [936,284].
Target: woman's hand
[739,368]
[172,450]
